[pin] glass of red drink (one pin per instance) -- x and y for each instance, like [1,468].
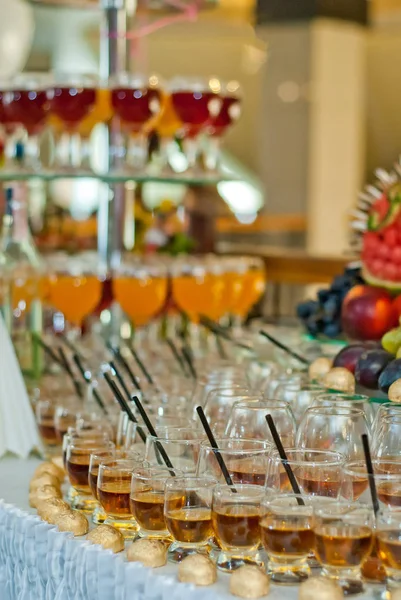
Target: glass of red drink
[71,100]
[196,103]
[230,111]
[136,101]
[25,105]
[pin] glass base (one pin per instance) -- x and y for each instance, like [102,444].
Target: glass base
[229,562]
[84,503]
[128,527]
[71,494]
[162,536]
[288,574]
[349,580]
[177,551]
[98,516]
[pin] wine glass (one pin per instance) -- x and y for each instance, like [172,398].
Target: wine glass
[140,288]
[353,400]
[386,443]
[196,103]
[72,98]
[386,409]
[253,287]
[230,111]
[75,288]
[248,420]
[219,404]
[26,103]
[136,100]
[333,428]
[387,472]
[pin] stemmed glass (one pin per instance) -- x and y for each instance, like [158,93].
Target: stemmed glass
[386,443]
[26,103]
[252,289]
[333,428]
[71,100]
[230,112]
[248,420]
[196,104]
[75,288]
[220,402]
[140,289]
[136,100]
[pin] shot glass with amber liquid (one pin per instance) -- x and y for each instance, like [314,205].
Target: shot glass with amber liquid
[113,492]
[78,455]
[389,545]
[344,537]
[45,410]
[65,416]
[147,500]
[286,528]
[95,460]
[188,515]
[235,517]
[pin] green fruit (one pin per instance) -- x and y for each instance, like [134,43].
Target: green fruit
[398,355]
[391,341]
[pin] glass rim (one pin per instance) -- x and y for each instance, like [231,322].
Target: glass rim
[261,404]
[193,482]
[260,446]
[337,458]
[327,410]
[148,472]
[126,465]
[258,490]
[343,395]
[376,461]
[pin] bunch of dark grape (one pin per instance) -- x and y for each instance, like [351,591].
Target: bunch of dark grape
[323,315]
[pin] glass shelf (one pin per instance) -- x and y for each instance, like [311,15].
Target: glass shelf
[182,178]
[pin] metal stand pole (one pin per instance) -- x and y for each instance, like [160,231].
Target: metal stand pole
[113,59]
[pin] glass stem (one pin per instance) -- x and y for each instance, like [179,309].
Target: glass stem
[137,150]
[191,149]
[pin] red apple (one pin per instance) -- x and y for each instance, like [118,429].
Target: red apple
[368,313]
[397,304]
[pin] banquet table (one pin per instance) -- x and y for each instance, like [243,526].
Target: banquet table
[37,562]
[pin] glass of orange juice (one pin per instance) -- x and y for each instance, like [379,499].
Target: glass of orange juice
[253,284]
[75,287]
[140,286]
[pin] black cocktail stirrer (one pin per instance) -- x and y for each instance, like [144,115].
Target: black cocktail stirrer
[152,432]
[116,352]
[215,448]
[124,404]
[140,364]
[371,474]
[188,359]
[176,354]
[88,379]
[283,347]
[284,459]
[67,367]
[120,380]
[48,350]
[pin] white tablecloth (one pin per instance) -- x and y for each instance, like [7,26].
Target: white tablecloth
[37,562]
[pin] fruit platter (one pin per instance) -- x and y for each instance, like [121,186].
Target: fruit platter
[362,307]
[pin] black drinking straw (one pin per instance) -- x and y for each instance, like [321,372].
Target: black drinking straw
[68,370]
[220,347]
[188,359]
[215,448]
[140,364]
[116,352]
[124,404]
[371,474]
[176,354]
[87,378]
[153,433]
[120,380]
[284,459]
[49,351]
[70,345]
[219,331]
[283,347]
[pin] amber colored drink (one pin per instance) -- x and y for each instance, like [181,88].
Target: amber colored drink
[71,105]
[287,541]
[60,433]
[199,295]
[148,510]
[232,289]
[237,527]
[76,297]
[24,291]
[372,568]
[253,287]
[140,299]
[342,548]
[114,496]
[389,493]
[48,432]
[190,525]
[78,472]
[326,484]
[359,486]
[93,476]
[389,548]
[244,471]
